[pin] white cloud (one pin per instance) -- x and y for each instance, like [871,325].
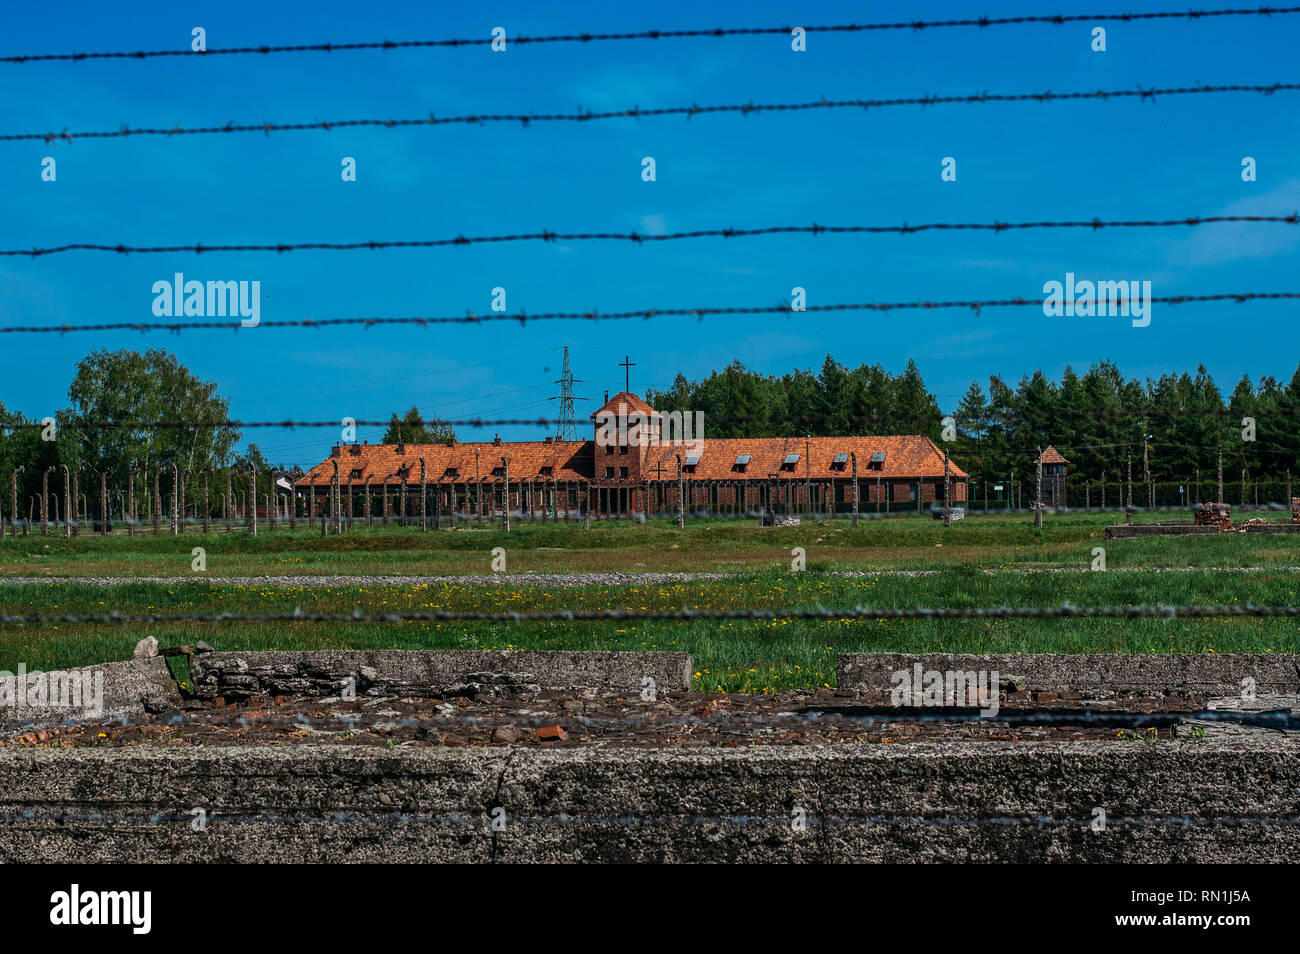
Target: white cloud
[654,224]
[1232,241]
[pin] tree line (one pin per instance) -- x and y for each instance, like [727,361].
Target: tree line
[1098,420]
[147,388]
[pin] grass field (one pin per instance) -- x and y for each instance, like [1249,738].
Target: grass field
[979,562]
[900,542]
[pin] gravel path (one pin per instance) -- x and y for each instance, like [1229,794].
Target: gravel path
[561,579]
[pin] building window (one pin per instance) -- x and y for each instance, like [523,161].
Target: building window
[609,472]
[498,471]
[609,450]
[622,472]
[451,472]
[546,471]
[355,475]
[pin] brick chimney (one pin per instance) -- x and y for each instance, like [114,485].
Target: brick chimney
[496,440]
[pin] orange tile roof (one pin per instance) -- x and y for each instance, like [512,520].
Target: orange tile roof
[631,403]
[568,460]
[1053,456]
[906,456]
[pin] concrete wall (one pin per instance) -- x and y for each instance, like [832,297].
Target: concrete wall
[1093,675]
[1121,530]
[973,801]
[124,689]
[430,672]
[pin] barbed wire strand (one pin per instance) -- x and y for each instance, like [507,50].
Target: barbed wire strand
[1065,611]
[701,33]
[630,820]
[642,238]
[645,314]
[636,112]
[824,716]
[545,422]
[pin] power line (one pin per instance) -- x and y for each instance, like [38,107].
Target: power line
[640,238]
[1066,611]
[704,33]
[975,305]
[636,112]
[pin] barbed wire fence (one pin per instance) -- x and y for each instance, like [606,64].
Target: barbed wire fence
[700,312]
[1149,94]
[445,490]
[685,614]
[643,238]
[983,22]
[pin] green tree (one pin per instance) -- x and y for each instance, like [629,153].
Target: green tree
[140,393]
[411,428]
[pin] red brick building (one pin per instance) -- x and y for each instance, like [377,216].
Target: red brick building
[630,466]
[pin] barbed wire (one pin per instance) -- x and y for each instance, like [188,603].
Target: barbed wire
[1135,417]
[1065,611]
[637,112]
[819,715]
[702,33]
[645,314]
[631,820]
[641,238]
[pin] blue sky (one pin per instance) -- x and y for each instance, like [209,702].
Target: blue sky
[1175,157]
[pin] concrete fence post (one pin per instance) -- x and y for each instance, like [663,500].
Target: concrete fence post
[424,498]
[505,486]
[402,513]
[69,498]
[1220,498]
[252,498]
[45,502]
[230,503]
[1128,507]
[13,495]
[681,495]
[856,490]
[947,491]
[1038,490]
